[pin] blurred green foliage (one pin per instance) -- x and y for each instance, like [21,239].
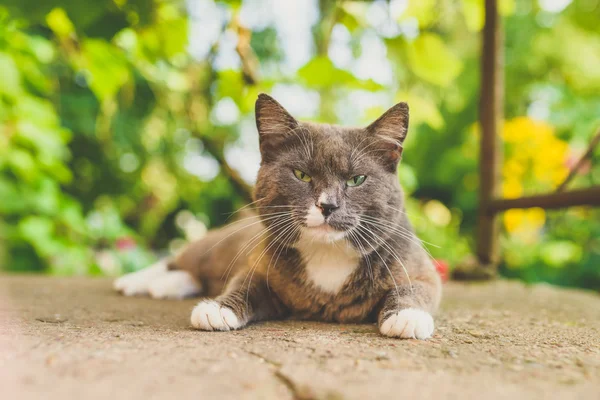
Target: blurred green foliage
[120,119]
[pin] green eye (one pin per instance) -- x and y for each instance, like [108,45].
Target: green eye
[302,176]
[356,180]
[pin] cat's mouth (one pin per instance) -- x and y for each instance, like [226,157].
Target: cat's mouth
[324,233]
[324,227]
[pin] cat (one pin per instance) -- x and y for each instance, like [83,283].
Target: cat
[328,239]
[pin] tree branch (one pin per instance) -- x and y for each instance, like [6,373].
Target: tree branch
[588,153]
[239,185]
[247,56]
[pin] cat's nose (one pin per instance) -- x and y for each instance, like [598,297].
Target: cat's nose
[327,208]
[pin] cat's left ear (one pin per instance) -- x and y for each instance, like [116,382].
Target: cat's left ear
[391,129]
[274,124]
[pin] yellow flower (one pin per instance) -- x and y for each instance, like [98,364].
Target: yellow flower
[536,158]
[513,219]
[516,130]
[512,188]
[525,223]
[513,169]
[535,218]
[559,176]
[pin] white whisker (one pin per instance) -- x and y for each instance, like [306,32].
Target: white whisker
[279,250]
[381,258]
[406,234]
[251,241]
[262,254]
[392,252]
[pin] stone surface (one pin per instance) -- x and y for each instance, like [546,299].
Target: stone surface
[63,338]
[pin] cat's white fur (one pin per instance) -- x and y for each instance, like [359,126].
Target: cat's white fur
[314,217]
[209,315]
[329,261]
[410,323]
[158,282]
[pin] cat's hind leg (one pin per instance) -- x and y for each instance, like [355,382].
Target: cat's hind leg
[158,282]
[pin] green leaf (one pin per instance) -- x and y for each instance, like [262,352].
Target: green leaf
[11,77]
[230,83]
[78,111]
[58,21]
[47,198]
[168,37]
[474,13]
[431,60]
[22,164]
[32,10]
[506,7]
[408,178]
[36,111]
[425,11]
[46,142]
[320,73]
[84,13]
[71,215]
[12,201]
[55,169]
[39,232]
[107,25]
[351,14]
[41,48]
[107,65]
[558,253]
[34,75]
[174,36]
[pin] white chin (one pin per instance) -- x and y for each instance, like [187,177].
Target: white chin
[323,234]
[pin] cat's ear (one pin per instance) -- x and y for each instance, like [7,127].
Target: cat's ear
[390,130]
[273,122]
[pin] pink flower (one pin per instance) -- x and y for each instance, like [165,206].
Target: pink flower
[443,269]
[125,243]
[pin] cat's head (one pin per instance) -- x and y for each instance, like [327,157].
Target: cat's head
[327,182]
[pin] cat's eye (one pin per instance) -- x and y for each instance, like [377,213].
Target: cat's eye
[356,180]
[302,176]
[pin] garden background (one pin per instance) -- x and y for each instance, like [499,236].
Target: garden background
[127,127]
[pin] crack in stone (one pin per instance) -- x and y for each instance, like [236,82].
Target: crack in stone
[292,387]
[297,393]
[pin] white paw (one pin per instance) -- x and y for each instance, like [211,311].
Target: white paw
[410,323]
[137,283]
[173,285]
[209,315]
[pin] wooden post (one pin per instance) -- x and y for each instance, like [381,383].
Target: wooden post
[491,110]
[582,197]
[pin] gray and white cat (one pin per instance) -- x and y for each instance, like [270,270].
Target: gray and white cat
[329,239]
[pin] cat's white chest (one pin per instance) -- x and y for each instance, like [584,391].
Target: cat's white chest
[328,265]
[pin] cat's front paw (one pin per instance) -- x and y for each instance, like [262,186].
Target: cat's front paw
[409,323]
[209,315]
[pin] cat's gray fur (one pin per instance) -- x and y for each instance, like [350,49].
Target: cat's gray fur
[262,271]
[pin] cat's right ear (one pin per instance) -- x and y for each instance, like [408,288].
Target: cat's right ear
[274,124]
